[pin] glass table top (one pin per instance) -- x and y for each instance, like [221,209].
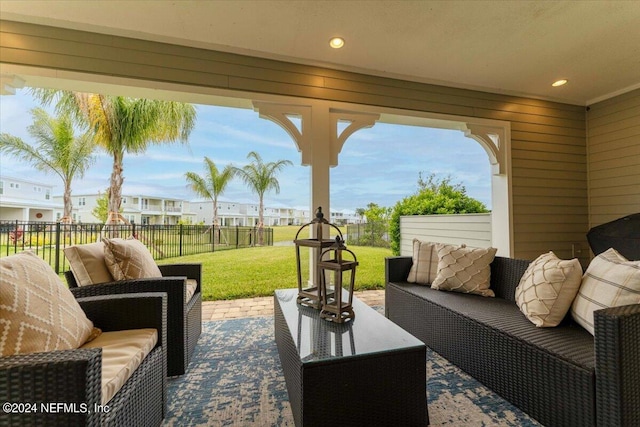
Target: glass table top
[318,339]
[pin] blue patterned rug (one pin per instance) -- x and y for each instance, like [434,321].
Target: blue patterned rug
[235,379]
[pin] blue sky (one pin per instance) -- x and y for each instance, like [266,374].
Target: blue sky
[379,165]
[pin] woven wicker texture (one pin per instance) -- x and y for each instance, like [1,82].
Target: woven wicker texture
[617,338]
[330,390]
[539,370]
[73,376]
[184,319]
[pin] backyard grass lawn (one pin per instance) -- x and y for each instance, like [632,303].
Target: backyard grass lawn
[286,233]
[253,272]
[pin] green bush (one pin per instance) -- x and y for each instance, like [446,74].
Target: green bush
[433,197]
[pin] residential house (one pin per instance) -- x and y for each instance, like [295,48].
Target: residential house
[246,214]
[25,200]
[345,216]
[140,209]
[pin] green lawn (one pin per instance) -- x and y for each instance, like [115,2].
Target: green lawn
[283,233]
[252,272]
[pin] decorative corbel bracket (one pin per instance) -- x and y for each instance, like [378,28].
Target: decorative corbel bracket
[303,137]
[356,121]
[281,114]
[491,138]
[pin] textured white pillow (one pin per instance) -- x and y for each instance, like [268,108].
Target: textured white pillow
[38,312]
[425,263]
[462,269]
[547,289]
[610,281]
[129,259]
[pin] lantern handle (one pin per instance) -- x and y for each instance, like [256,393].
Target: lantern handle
[319,219]
[339,245]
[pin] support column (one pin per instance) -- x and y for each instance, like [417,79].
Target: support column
[495,141]
[320,148]
[318,139]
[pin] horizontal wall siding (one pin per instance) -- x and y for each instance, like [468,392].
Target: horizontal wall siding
[613,145]
[473,230]
[548,139]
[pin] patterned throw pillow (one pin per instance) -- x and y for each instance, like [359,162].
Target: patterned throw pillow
[129,259]
[425,263]
[547,289]
[610,281]
[88,264]
[462,269]
[38,313]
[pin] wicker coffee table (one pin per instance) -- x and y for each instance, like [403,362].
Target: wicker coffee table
[366,372]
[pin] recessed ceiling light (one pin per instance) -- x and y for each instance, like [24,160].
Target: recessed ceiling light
[336,42]
[560,82]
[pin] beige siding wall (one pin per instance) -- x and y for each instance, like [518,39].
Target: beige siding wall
[613,128]
[473,230]
[548,139]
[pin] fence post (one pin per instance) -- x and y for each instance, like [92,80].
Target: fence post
[57,263]
[15,238]
[181,229]
[237,235]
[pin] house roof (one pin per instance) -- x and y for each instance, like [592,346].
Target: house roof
[513,47]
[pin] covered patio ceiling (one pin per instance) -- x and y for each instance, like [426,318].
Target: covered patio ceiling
[510,47]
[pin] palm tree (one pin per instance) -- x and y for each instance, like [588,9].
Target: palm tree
[56,150]
[124,125]
[260,177]
[212,184]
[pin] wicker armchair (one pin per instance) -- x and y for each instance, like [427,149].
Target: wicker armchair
[73,377]
[184,324]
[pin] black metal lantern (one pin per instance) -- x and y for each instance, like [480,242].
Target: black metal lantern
[310,294]
[337,306]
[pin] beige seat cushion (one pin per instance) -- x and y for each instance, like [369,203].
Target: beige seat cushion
[547,289]
[610,281]
[122,353]
[38,313]
[191,286]
[465,270]
[88,264]
[425,263]
[129,259]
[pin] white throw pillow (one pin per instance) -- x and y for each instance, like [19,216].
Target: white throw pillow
[129,259]
[425,263]
[610,281]
[547,289]
[462,269]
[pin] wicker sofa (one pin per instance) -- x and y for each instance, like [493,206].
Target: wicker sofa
[73,377]
[560,376]
[184,317]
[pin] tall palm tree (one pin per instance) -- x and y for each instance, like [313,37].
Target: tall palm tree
[56,150]
[212,184]
[261,178]
[124,125]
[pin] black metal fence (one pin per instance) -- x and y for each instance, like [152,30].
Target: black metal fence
[48,239]
[374,234]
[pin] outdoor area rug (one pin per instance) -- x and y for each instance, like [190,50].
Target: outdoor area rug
[235,379]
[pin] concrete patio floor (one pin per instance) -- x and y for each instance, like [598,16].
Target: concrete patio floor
[263,306]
